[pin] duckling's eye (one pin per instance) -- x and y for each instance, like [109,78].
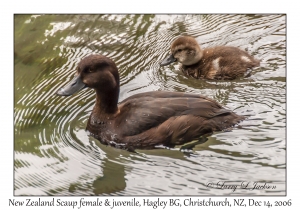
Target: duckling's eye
[179,50]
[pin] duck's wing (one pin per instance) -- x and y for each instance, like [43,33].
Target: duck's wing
[156,110]
[225,63]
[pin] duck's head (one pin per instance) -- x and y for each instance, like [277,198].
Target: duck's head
[185,50]
[94,71]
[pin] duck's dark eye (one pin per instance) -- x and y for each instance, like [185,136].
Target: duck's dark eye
[89,70]
[179,50]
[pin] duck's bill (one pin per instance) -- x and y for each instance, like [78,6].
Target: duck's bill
[74,86]
[168,60]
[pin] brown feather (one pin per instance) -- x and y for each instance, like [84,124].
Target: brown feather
[148,119]
[220,63]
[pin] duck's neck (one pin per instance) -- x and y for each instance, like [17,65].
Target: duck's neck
[194,70]
[106,103]
[198,56]
[193,58]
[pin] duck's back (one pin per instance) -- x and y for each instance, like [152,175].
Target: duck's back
[169,118]
[222,62]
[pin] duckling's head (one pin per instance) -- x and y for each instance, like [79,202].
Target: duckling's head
[185,50]
[94,71]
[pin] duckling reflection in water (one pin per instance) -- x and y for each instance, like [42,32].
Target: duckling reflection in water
[218,63]
[145,120]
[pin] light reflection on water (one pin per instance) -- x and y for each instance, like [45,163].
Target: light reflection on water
[55,156]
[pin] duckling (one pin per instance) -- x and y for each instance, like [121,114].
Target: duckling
[145,120]
[215,63]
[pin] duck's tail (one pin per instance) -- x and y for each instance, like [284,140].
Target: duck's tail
[226,121]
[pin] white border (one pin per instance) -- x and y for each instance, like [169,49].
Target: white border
[9,8]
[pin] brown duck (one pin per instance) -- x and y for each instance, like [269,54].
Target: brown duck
[145,120]
[218,63]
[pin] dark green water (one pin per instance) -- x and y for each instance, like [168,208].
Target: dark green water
[55,156]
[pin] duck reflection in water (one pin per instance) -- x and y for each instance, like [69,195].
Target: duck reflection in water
[145,120]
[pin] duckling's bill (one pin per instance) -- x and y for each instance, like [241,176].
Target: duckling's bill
[168,60]
[72,87]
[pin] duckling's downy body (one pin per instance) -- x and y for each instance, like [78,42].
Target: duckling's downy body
[148,119]
[219,63]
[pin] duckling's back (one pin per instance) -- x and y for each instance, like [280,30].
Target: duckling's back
[222,63]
